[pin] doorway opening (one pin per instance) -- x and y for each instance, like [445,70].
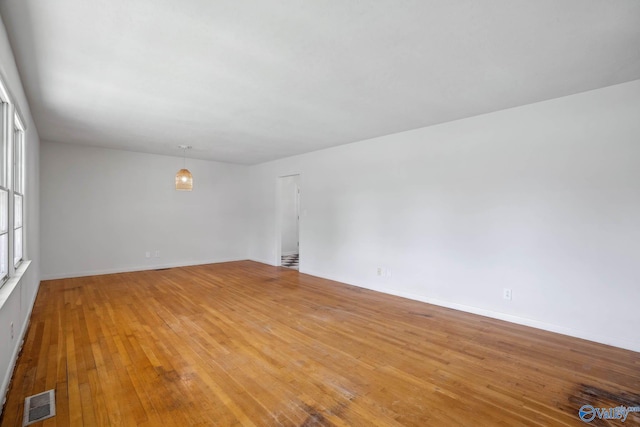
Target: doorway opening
[289,221]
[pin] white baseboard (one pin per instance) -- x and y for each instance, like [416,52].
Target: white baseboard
[624,343]
[263,261]
[134,268]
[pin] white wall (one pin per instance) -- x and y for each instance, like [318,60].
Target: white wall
[543,199]
[102,210]
[289,212]
[17,296]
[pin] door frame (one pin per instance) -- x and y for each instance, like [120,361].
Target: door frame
[278,218]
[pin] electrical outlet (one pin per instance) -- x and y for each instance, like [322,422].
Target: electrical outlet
[11,330]
[506,294]
[157,254]
[388,272]
[147,254]
[379,271]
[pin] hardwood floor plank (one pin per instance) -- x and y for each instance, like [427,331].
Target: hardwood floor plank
[245,344]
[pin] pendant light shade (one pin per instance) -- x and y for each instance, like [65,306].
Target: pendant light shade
[184,179]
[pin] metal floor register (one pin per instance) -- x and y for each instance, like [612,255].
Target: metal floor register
[39,407]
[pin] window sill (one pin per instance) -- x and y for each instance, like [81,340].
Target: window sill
[10,285]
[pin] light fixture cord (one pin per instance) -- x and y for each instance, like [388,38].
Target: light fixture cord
[184,158]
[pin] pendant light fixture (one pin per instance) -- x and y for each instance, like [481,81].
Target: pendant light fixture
[184,179]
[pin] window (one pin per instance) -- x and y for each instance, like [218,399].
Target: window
[18,191]
[4,191]
[12,186]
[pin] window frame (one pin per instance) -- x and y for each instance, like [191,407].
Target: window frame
[18,149]
[13,134]
[5,218]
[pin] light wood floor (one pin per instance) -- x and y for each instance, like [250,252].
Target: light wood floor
[247,344]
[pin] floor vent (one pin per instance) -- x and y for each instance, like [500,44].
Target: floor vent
[39,407]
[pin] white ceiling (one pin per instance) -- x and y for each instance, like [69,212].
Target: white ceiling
[251,81]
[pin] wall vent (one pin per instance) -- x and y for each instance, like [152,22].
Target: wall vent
[39,407]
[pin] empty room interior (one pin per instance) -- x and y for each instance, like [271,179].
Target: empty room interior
[286,213]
